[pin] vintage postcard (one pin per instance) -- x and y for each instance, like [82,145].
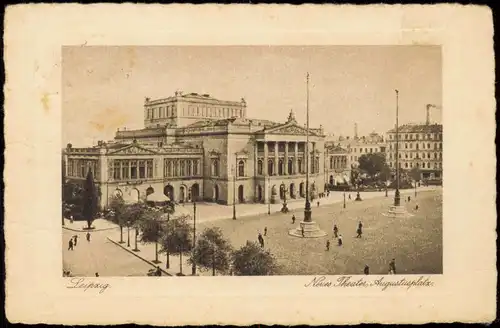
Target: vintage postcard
[198,165]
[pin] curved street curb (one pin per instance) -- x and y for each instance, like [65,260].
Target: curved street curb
[136,255]
[86,230]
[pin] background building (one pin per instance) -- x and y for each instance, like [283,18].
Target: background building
[199,148]
[337,165]
[420,145]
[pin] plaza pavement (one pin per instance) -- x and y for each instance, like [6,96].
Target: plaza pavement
[99,255]
[241,230]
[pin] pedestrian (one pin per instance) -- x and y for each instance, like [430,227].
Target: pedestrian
[335,231]
[265,231]
[392,267]
[367,269]
[97,274]
[76,239]
[359,230]
[409,199]
[261,240]
[293,219]
[302,230]
[318,203]
[327,245]
[88,237]
[416,207]
[340,240]
[158,271]
[349,196]
[70,248]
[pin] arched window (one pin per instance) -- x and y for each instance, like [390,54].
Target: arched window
[428,165]
[195,167]
[280,167]
[215,167]
[182,168]
[241,168]
[299,163]
[270,167]
[260,167]
[189,168]
[290,167]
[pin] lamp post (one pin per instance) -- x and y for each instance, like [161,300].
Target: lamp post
[397,198]
[344,199]
[167,265]
[128,233]
[269,195]
[386,187]
[193,269]
[284,209]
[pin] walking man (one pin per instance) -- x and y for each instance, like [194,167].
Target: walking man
[416,207]
[409,198]
[367,269]
[293,219]
[88,237]
[340,240]
[349,196]
[318,203]
[302,230]
[97,274]
[335,231]
[76,239]
[360,230]
[392,267]
[70,248]
[265,231]
[327,245]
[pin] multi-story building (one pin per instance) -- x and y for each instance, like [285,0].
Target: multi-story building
[337,165]
[195,147]
[420,145]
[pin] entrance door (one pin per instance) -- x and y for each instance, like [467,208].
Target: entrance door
[169,192]
[195,192]
[301,189]
[292,190]
[241,197]
[182,195]
[216,193]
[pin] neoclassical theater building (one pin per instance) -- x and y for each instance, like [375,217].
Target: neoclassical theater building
[196,147]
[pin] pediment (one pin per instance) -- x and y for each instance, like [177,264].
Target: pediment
[290,129]
[133,149]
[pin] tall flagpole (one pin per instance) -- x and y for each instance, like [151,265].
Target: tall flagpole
[397,198]
[307,210]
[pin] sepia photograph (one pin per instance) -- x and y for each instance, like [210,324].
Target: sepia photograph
[251,160]
[174,165]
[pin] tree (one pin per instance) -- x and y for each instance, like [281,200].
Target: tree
[415,173]
[132,215]
[89,206]
[385,173]
[151,227]
[372,163]
[212,251]
[252,260]
[178,238]
[117,208]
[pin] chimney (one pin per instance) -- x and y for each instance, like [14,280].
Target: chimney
[427,115]
[355,130]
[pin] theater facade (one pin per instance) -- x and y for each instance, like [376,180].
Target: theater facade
[196,147]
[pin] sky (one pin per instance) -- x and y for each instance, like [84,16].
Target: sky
[103,87]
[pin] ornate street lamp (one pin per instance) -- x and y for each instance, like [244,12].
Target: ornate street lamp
[167,265]
[284,209]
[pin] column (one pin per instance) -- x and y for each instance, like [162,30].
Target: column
[276,159]
[286,158]
[255,159]
[266,158]
[296,159]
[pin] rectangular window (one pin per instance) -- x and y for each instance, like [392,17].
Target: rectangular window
[142,170]
[133,169]
[150,168]
[125,167]
[116,170]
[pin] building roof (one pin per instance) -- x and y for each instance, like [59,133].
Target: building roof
[418,128]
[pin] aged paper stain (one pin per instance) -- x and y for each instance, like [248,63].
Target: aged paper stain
[45,101]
